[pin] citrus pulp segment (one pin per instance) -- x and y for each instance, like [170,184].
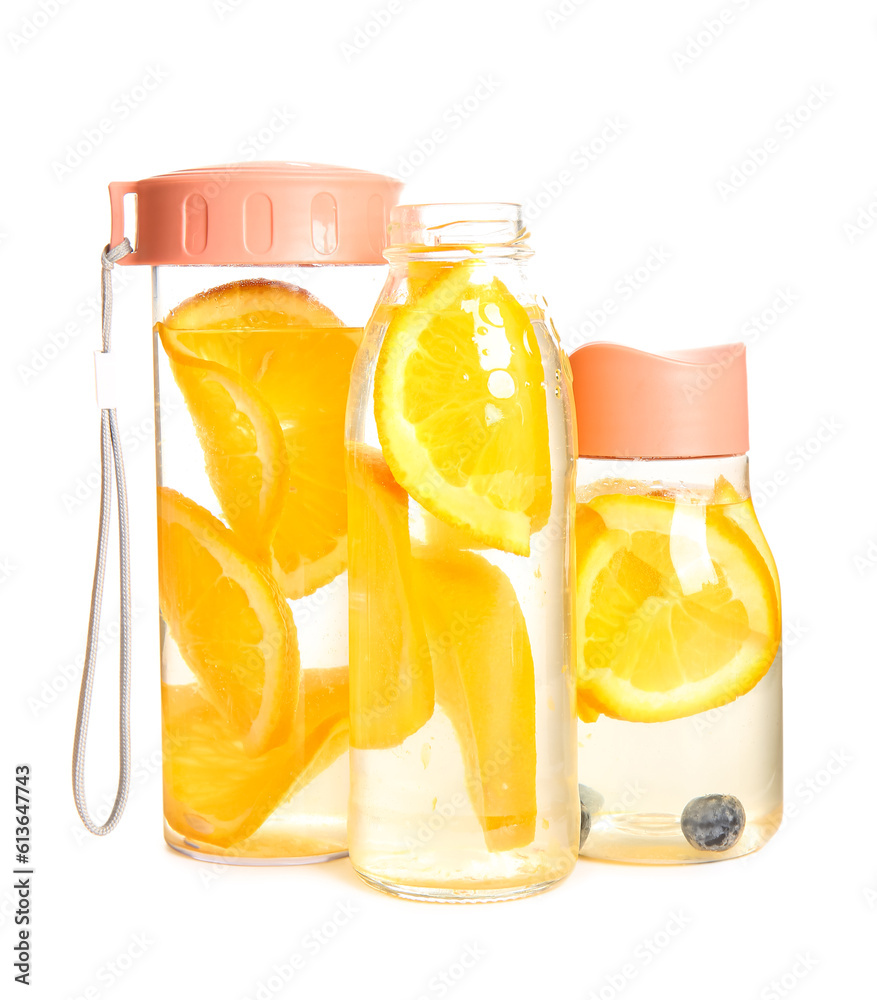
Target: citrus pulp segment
[742,512]
[460,407]
[206,325]
[485,682]
[676,609]
[295,356]
[245,454]
[391,681]
[231,624]
[321,725]
[217,793]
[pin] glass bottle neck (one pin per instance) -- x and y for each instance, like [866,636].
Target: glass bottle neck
[703,480]
[457,231]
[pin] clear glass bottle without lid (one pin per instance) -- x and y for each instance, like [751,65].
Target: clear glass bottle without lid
[461,461]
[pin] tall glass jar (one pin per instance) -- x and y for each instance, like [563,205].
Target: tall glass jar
[460,486]
[678,612]
[263,275]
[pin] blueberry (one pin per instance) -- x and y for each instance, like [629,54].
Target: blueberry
[590,801]
[713,822]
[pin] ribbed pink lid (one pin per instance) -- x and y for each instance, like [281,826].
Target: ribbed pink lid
[258,213]
[680,404]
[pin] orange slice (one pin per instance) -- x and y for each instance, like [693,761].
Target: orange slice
[296,357]
[423,271]
[205,325]
[586,711]
[230,622]
[214,791]
[588,525]
[244,449]
[677,611]
[485,682]
[460,406]
[391,682]
[306,383]
[742,512]
[321,725]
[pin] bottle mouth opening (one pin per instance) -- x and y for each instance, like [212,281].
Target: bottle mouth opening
[456,225]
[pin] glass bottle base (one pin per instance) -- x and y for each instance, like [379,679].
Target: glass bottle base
[457,894]
[265,853]
[656,839]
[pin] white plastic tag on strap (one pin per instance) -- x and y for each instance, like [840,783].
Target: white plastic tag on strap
[105,380]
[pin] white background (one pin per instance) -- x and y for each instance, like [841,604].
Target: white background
[308,82]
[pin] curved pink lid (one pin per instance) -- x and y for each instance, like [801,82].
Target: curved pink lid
[258,213]
[680,404]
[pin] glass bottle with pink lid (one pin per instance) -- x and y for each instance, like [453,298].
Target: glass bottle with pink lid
[263,277]
[678,648]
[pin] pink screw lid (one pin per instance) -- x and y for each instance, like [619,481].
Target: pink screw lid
[258,213]
[680,404]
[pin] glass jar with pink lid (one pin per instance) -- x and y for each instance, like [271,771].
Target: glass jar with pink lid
[678,650]
[263,277]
